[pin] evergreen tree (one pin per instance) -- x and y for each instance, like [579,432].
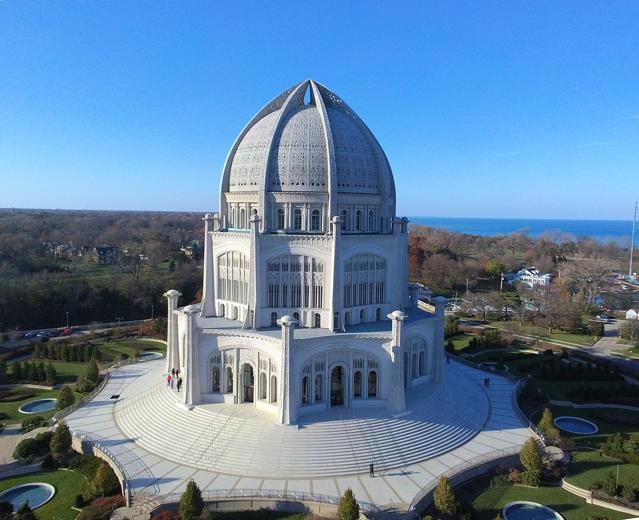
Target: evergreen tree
[191,503]
[104,482]
[530,457]
[51,373]
[348,508]
[41,374]
[93,374]
[61,440]
[547,425]
[3,371]
[25,513]
[66,397]
[30,371]
[444,497]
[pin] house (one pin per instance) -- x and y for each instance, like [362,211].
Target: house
[632,314]
[191,250]
[105,255]
[530,276]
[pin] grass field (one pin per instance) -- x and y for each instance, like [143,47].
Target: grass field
[491,501]
[67,485]
[533,331]
[10,409]
[111,350]
[460,341]
[587,467]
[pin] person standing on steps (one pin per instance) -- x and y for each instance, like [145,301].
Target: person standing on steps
[172,381]
[177,373]
[169,380]
[173,372]
[371,469]
[179,383]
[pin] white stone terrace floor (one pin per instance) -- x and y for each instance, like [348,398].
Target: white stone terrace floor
[223,447]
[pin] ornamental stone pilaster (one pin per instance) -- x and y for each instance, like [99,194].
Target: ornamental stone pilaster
[191,394]
[208,288]
[172,348]
[397,397]
[286,410]
[336,269]
[440,305]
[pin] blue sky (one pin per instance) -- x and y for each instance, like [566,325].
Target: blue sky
[485,109]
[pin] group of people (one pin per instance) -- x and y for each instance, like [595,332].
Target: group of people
[173,378]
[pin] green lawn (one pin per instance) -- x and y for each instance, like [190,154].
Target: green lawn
[632,352]
[10,409]
[531,330]
[587,467]
[67,485]
[460,341]
[111,350]
[491,501]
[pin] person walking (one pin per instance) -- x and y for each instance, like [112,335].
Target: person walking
[168,380]
[172,382]
[173,372]
[371,469]
[177,373]
[179,383]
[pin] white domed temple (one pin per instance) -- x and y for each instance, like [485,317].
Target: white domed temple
[305,299]
[309,356]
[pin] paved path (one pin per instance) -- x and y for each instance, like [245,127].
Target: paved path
[235,447]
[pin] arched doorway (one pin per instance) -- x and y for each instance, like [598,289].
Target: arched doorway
[248,383]
[337,386]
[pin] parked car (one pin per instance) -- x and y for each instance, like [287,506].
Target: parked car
[603,318]
[67,331]
[30,335]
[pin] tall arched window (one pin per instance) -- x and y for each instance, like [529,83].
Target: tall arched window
[284,276]
[364,280]
[262,385]
[378,314]
[414,366]
[243,218]
[274,319]
[317,320]
[315,220]
[422,363]
[357,384]
[347,318]
[297,219]
[345,225]
[233,277]
[319,396]
[273,389]
[358,220]
[306,390]
[229,380]
[280,219]
[362,315]
[372,384]
[215,379]
[371,221]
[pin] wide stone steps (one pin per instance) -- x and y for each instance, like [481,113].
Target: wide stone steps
[238,440]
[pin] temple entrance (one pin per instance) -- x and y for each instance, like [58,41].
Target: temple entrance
[248,383]
[337,386]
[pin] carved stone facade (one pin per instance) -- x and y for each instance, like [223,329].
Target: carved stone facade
[303,267]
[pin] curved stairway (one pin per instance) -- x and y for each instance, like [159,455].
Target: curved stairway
[239,440]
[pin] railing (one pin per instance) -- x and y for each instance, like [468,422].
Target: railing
[462,467]
[73,407]
[211,495]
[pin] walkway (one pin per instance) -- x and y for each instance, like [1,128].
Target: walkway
[162,446]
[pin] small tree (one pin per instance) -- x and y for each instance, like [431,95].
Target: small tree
[61,441]
[93,374]
[104,482]
[51,373]
[547,425]
[348,508]
[444,497]
[531,460]
[191,503]
[66,397]
[631,490]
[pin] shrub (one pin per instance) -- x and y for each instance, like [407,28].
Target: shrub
[93,374]
[547,426]
[348,508]
[25,513]
[531,478]
[33,422]
[33,447]
[79,501]
[101,508]
[104,482]
[610,486]
[49,462]
[66,397]
[530,457]
[166,515]
[61,440]
[631,490]
[444,497]
[191,503]
[514,476]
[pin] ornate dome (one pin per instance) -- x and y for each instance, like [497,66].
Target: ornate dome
[315,146]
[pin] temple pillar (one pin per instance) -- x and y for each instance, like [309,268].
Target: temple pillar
[208,287]
[172,347]
[397,397]
[191,377]
[336,289]
[438,357]
[286,409]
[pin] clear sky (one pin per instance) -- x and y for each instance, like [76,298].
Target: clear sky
[485,109]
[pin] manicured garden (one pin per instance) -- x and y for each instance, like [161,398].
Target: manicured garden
[113,350]
[590,466]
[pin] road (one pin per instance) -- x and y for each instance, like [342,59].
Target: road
[608,343]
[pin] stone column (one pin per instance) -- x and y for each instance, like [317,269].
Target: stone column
[396,397]
[191,363]
[208,291]
[336,288]
[172,347]
[254,303]
[438,357]
[286,410]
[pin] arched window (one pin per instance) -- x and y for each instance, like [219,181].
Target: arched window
[284,275]
[262,385]
[371,221]
[378,314]
[229,380]
[319,396]
[274,319]
[422,363]
[297,219]
[362,315]
[233,278]
[364,280]
[372,384]
[280,219]
[358,220]
[305,390]
[315,220]
[345,226]
[273,389]
[318,320]
[242,218]
[233,217]
[414,365]
[296,316]
[347,318]
[254,211]
[221,310]
[215,379]
[357,384]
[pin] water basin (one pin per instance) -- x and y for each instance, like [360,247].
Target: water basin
[529,511]
[38,406]
[36,493]
[576,425]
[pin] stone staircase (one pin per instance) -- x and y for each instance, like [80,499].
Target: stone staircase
[240,440]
